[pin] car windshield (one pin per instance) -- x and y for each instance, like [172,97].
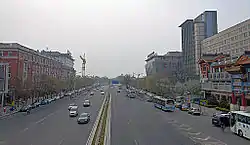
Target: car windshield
[74,109]
[84,115]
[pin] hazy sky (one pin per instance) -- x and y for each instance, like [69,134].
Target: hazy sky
[116,35]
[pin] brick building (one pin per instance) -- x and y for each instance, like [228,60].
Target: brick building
[27,66]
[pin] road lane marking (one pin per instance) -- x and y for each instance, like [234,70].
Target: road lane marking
[194,133]
[25,129]
[61,142]
[203,139]
[187,129]
[136,143]
[44,118]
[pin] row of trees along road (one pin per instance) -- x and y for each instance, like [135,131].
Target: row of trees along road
[164,85]
[44,86]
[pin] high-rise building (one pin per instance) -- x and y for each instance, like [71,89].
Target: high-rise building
[205,25]
[187,41]
[193,32]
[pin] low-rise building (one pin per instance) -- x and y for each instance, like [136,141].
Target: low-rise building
[215,81]
[234,40]
[240,86]
[27,67]
[167,64]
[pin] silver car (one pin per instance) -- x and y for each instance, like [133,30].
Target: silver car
[84,118]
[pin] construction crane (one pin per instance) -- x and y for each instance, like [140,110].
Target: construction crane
[83,64]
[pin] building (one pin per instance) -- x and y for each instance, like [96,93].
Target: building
[240,86]
[64,58]
[215,81]
[27,66]
[167,64]
[234,40]
[187,42]
[193,32]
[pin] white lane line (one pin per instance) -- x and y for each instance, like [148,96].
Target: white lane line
[194,133]
[25,129]
[203,139]
[44,118]
[187,129]
[61,142]
[136,143]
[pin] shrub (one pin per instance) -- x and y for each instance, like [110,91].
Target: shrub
[211,106]
[222,109]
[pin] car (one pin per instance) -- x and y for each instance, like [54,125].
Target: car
[102,93]
[216,118]
[37,104]
[184,107]
[83,118]
[118,91]
[73,112]
[91,93]
[25,108]
[194,111]
[86,103]
[71,105]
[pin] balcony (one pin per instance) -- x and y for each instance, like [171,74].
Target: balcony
[223,87]
[219,76]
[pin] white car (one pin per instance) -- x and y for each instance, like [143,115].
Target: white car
[91,93]
[72,105]
[102,93]
[73,112]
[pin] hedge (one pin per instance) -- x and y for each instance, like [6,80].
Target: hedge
[222,109]
[210,106]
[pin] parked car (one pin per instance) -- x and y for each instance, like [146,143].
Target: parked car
[25,108]
[84,118]
[91,93]
[217,117]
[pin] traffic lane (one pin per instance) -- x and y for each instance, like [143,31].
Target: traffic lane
[202,124]
[13,124]
[58,128]
[135,122]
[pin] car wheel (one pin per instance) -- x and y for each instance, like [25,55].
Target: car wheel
[240,133]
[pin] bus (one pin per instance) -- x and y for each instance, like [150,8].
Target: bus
[240,123]
[164,103]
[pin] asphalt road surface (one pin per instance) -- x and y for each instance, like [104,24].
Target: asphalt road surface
[136,122]
[50,124]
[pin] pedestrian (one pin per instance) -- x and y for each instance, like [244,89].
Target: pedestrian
[224,122]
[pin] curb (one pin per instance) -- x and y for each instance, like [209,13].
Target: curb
[6,115]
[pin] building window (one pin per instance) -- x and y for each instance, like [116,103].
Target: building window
[9,53]
[1,53]
[245,34]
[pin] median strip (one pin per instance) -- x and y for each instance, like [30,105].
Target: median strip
[98,133]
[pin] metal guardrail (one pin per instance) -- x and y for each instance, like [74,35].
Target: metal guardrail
[94,129]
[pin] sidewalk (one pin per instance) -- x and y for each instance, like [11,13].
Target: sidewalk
[8,112]
[205,110]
